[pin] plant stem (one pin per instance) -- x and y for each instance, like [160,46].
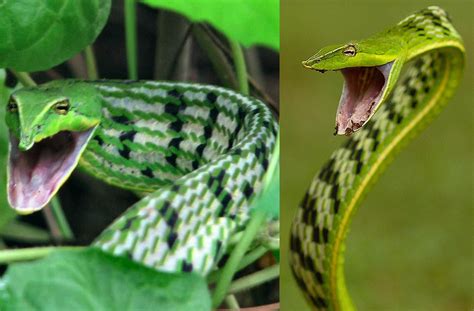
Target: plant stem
[78,67]
[230,268]
[22,231]
[52,223]
[24,254]
[219,61]
[23,77]
[173,49]
[247,260]
[254,279]
[236,238]
[63,225]
[232,302]
[253,83]
[240,67]
[91,63]
[252,256]
[131,37]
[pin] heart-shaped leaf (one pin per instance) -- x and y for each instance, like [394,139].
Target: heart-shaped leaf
[247,21]
[39,34]
[93,280]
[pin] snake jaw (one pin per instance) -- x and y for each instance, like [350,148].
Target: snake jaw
[361,94]
[35,175]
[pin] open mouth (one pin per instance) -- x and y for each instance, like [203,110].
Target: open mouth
[35,175]
[361,94]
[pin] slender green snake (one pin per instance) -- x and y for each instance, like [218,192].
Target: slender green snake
[381,108]
[198,153]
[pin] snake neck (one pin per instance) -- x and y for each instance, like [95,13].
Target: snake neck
[426,30]
[428,80]
[152,134]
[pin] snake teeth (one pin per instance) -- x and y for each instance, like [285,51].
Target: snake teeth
[362,92]
[35,175]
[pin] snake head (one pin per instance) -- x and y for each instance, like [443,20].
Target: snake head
[370,69]
[50,126]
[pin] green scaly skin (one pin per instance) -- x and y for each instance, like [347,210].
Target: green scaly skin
[199,153]
[431,53]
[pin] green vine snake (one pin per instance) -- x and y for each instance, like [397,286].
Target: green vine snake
[381,108]
[197,152]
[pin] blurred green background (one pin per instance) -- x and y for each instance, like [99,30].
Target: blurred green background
[411,243]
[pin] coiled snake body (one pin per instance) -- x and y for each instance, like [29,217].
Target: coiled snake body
[197,152]
[402,104]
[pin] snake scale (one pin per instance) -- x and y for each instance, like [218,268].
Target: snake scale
[198,154]
[381,109]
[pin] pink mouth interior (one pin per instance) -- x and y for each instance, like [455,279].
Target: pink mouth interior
[362,91]
[35,175]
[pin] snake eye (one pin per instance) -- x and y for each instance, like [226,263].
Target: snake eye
[62,107]
[350,50]
[12,105]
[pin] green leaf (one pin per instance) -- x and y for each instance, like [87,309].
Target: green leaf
[246,21]
[39,34]
[93,280]
[269,199]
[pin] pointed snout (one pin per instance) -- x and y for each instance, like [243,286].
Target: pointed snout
[310,62]
[306,64]
[26,142]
